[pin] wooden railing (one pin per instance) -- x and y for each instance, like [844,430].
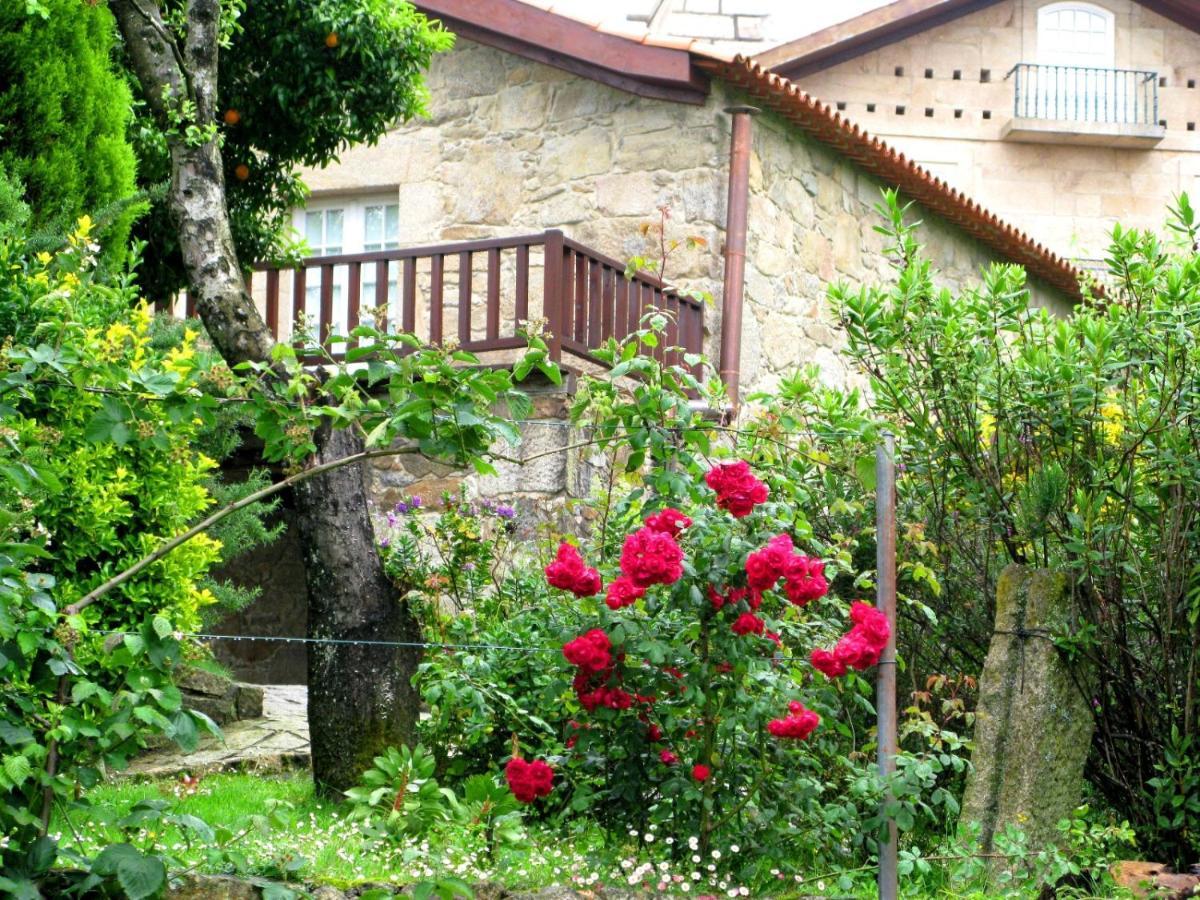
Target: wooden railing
[478,292]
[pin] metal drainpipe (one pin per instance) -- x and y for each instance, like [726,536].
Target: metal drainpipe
[735,249]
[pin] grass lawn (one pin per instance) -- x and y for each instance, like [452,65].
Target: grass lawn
[320,844]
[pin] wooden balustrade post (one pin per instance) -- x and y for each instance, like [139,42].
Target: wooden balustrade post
[552,292]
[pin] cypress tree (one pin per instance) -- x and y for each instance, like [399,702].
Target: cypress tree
[65,109]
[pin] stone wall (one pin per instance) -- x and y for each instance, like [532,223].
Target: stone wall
[542,492]
[811,224]
[512,146]
[942,97]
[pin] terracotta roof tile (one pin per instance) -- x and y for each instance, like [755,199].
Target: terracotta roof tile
[780,95]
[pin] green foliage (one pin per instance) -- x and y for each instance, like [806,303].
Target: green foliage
[399,797]
[65,109]
[437,401]
[400,792]
[96,469]
[456,556]
[1066,442]
[296,100]
[1174,794]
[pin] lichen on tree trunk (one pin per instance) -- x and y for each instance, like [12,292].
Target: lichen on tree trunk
[361,695]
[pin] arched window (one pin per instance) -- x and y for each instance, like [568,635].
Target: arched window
[1075,34]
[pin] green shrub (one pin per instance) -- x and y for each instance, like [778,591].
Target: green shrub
[1066,442]
[96,462]
[66,109]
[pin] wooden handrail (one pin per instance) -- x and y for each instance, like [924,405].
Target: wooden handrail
[586,298]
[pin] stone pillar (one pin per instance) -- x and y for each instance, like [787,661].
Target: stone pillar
[1033,725]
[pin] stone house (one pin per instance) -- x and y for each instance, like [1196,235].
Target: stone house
[1063,116]
[538,121]
[549,143]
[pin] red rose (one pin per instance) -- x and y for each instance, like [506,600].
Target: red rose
[591,651]
[528,780]
[715,598]
[797,725]
[651,557]
[760,574]
[654,733]
[623,592]
[668,757]
[861,647]
[805,580]
[824,661]
[701,772]
[738,491]
[568,573]
[747,623]
[669,521]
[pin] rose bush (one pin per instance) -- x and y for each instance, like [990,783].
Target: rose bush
[689,709]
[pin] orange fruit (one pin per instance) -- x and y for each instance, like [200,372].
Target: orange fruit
[242,171]
[331,40]
[232,117]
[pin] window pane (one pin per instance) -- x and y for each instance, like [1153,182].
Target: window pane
[333,226]
[312,230]
[392,229]
[373,227]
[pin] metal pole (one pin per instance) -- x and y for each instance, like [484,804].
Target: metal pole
[735,249]
[885,698]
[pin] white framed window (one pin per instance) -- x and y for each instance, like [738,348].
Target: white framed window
[1076,34]
[333,226]
[1076,52]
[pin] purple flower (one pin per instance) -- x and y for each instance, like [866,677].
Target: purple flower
[391,520]
[384,542]
[505,511]
[469,567]
[414,502]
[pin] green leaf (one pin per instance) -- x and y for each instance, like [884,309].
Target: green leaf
[142,877]
[17,768]
[864,470]
[272,891]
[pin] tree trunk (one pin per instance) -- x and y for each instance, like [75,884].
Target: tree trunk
[360,698]
[366,700]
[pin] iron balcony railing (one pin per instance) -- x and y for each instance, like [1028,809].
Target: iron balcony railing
[1083,94]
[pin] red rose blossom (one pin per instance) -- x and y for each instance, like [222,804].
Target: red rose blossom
[623,592]
[654,733]
[797,725]
[747,623]
[668,757]
[824,661]
[651,557]
[805,580]
[591,651]
[669,521]
[701,772]
[860,648]
[738,491]
[528,780]
[568,573]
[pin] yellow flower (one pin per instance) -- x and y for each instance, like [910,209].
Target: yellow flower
[44,258]
[1112,415]
[987,428]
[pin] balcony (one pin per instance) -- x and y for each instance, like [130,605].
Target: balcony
[1081,105]
[478,293]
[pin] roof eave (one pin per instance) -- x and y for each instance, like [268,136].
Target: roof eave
[781,96]
[647,70]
